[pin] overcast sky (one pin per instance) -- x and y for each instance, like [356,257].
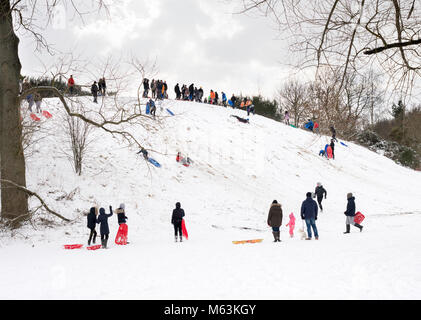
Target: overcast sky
[193,41]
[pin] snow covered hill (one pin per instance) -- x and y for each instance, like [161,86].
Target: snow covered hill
[238,170]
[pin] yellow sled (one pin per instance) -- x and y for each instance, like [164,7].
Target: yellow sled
[247,241]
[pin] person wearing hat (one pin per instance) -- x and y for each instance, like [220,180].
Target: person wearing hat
[309,211]
[350,214]
[176,220]
[320,191]
[275,219]
[121,214]
[104,229]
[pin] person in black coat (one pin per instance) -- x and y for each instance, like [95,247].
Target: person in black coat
[177,91]
[320,191]
[176,220]
[233,100]
[121,214]
[333,131]
[350,214]
[191,91]
[309,212]
[104,229]
[92,224]
[94,91]
[145,87]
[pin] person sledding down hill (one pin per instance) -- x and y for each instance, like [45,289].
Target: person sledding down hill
[241,119]
[185,161]
[144,152]
[309,125]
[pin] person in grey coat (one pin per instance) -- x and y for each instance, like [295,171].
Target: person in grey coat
[350,214]
[104,229]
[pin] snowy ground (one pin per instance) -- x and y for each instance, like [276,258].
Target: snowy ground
[238,170]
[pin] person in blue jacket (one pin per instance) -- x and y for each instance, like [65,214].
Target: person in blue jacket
[224,99]
[309,125]
[104,229]
[92,224]
[309,210]
[350,214]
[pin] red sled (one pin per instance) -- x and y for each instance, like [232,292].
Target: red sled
[34,117]
[359,217]
[121,237]
[329,152]
[96,247]
[184,230]
[46,114]
[72,246]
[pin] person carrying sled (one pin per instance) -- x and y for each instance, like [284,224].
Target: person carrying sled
[275,219]
[309,211]
[94,91]
[104,229]
[350,214]
[152,107]
[176,221]
[320,191]
[91,217]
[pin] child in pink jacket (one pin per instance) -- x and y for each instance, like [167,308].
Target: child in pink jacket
[291,224]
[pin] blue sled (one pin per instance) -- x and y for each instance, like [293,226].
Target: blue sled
[154,162]
[170,112]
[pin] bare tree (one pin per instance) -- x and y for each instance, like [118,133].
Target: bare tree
[352,35]
[294,97]
[78,134]
[19,14]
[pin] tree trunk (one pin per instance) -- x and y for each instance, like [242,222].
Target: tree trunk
[14,203]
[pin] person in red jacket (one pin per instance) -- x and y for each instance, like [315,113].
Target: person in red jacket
[71,84]
[316,127]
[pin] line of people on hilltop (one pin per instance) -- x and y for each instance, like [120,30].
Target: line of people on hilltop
[188,93]
[309,213]
[159,89]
